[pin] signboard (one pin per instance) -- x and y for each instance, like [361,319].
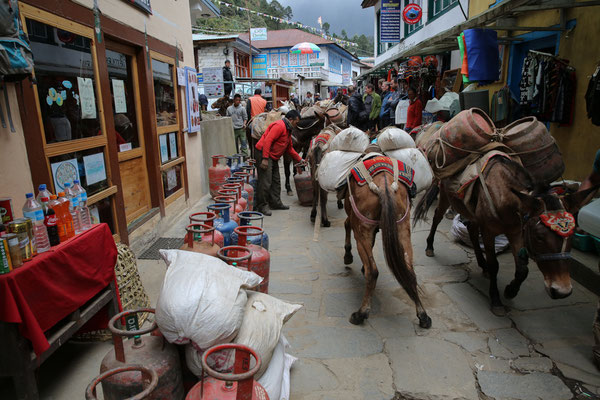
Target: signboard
[317,64]
[258,34]
[259,66]
[181,78]
[391,15]
[346,79]
[412,14]
[143,5]
[213,81]
[191,97]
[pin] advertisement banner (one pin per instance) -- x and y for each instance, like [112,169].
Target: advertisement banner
[213,81]
[259,66]
[258,34]
[391,15]
[191,97]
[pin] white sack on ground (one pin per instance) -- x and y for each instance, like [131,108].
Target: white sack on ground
[460,232]
[415,159]
[394,139]
[272,379]
[264,317]
[350,139]
[335,167]
[201,299]
[286,384]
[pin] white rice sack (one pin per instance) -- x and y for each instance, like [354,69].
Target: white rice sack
[285,385]
[264,317]
[335,167]
[350,139]
[395,139]
[201,299]
[415,159]
[460,233]
[272,379]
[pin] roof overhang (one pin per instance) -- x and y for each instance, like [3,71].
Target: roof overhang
[368,3]
[203,9]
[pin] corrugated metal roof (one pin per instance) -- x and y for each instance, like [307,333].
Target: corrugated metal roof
[203,36]
[286,38]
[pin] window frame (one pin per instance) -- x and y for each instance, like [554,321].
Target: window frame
[431,16]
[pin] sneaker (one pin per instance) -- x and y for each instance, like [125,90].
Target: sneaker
[265,211]
[280,207]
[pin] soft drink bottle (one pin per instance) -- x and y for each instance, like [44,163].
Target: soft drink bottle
[55,206]
[33,210]
[73,207]
[42,192]
[66,214]
[84,211]
[51,223]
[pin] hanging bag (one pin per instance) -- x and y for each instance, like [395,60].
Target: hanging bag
[16,59]
[482,54]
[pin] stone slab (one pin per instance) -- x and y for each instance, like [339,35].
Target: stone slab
[284,287]
[345,303]
[440,274]
[469,341]
[578,356]
[325,342]
[532,386]
[532,364]
[513,341]
[392,326]
[308,375]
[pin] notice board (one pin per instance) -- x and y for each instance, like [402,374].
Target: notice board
[389,20]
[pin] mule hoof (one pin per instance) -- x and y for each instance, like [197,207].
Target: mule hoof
[313,216]
[340,205]
[510,292]
[429,253]
[348,259]
[362,270]
[358,318]
[325,224]
[290,193]
[313,219]
[424,321]
[499,311]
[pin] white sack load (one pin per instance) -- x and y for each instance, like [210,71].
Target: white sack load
[393,138]
[286,386]
[350,139]
[460,232]
[335,167]
[272,379]
[201,299]
[264,317]
[415,159]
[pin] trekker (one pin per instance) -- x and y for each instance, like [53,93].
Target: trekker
[308,101]
[317,97]
[274,143]
[393,100]
[373,106]
[239,117]
[295,100]
[228,78]
[384,113]
[357,113]
[415,111]
[256,104]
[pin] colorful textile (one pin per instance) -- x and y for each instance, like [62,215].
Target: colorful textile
[379,164]
[561,222]
[321,139]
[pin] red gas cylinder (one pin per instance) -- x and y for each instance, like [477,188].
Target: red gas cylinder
[260,263]
[236,256]
[247,187]
[230,192]
[218,174]
[304,185]
[229,380]
[153,352]
[149,380]
[233,206]
[196,239]
[238,187]
[208,218]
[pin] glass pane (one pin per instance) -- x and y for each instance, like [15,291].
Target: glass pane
[121,89]
[89,166]
[65,82]
[169,147]
[172,180]
[164,93]
[102,212]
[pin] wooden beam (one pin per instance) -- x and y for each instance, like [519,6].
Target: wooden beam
[524,28]
[552,5]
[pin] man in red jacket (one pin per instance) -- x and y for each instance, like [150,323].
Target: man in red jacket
[276,141]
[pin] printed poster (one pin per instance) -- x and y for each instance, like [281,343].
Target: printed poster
[213,81]
[95,170]
[258,34]
[87,99]
[164,151]
[171,179]
[94,215]
[181,77]
[191,96]
[64,172]
[173,144]
[119,96]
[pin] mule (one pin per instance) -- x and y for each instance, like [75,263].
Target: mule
[514,207]
[369,209]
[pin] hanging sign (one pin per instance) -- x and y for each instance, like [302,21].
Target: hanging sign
[258,34]
[191,96]
[390,21]
[143,5]
[412,14]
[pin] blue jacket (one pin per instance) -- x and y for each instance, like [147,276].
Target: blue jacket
[385,106]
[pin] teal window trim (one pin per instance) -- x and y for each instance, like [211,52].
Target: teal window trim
[417,29]
[431,17]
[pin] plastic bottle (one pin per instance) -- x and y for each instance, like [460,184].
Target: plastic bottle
[51,223]
[55,206]
[84,211]
[33,210]
[73,207]
[42,192]
[66,215]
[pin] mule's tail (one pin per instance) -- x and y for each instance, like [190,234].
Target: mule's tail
[392,247]
[426,201]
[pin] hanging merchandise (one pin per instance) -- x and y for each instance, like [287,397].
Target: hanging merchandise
[482,54]
[592,97]
[412,14]
[464,70]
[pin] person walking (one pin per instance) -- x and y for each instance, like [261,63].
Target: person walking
[357,113]
[373,106]
[239,117]
[227,78]
[274,143]
[415,111]
[256,104]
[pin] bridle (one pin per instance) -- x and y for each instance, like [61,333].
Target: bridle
[527,224]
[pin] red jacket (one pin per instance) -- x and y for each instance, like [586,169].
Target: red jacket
[415,114]
[277,140]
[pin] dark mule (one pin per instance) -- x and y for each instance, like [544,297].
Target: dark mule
[389,211]
[514,209]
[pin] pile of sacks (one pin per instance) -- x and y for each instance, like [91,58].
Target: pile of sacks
[204,302]
[261,122]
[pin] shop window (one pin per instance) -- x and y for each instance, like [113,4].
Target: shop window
[66,84]
[164,93]
[242,65]
[89,166]
[274,60]
[283,58]
[101,211]
[169,147]
[293,59]
[122,92]
[439,7]
[172,182]
[303,59]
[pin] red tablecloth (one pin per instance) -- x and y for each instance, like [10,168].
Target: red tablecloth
[56,283]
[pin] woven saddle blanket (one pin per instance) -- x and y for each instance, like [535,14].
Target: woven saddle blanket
[378,164]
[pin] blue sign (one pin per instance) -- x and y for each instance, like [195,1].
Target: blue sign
[200,77]
[389,21]
[259,66]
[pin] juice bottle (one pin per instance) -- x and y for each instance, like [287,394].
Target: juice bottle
[74,207]
[66,214]
[55,206]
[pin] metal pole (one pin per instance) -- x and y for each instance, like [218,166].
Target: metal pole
[250,48]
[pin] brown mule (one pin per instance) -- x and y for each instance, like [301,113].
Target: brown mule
[389,212]
[515,211]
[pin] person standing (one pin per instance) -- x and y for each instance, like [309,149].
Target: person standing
[295,100]
[228,78]
[239,117]
[393,101]
[384,113]
[357,113]
[380,89]
[274,143]
[256,104]
[308,101]
[373,105]
[317,97]
[415,111]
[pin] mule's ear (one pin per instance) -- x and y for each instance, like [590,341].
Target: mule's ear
[573,202]
[529,204]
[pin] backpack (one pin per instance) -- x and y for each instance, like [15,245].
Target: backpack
[16,59]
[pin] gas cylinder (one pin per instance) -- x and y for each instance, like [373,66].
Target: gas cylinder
[200,238]
[240,203]
[304,185]
[234,163]
[153,352]
[233,206]
[223,223]
[236,256]
[149,380]
[217,174]
[252,218]
[252,180]
[247,187]
[260,263]
[208,218]
[221,384]
[240,180]
[242,195]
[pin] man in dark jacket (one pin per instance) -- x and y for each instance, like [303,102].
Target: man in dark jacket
[357,113]
[228,78]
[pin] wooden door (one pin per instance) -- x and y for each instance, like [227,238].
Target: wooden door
[125,91]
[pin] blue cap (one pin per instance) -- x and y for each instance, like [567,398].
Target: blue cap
[29,195]
[67,184]
[76,182]
[42,187]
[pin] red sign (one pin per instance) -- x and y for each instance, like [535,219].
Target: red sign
[6,211]
[412,13]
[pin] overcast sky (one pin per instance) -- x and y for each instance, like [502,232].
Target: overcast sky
[341,14]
